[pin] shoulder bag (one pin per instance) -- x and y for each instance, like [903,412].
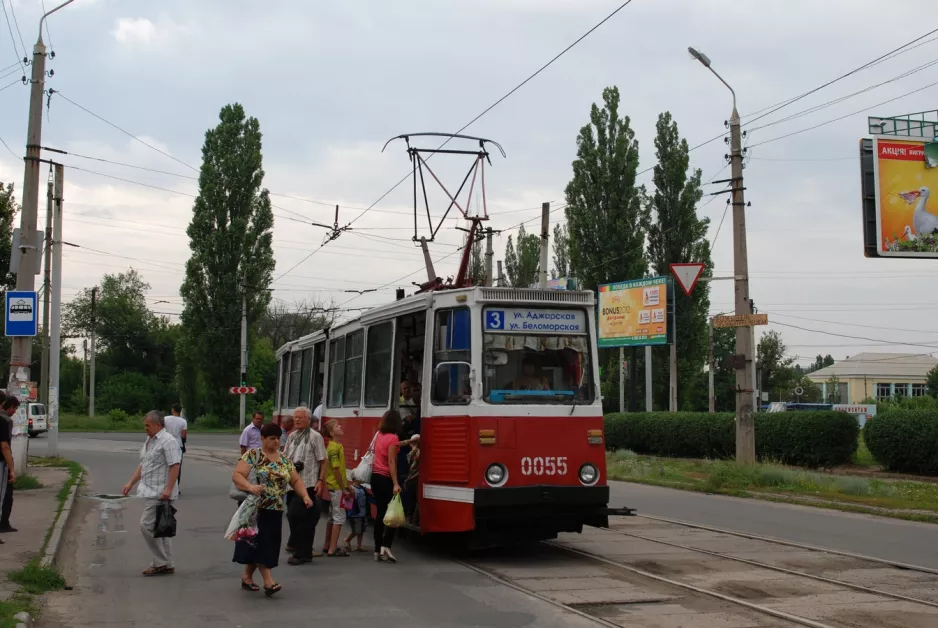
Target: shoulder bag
[236,493]
[362,472]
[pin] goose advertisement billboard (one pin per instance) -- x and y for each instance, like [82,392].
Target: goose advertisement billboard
[900,197]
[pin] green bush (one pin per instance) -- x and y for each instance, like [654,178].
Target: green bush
[904,439]
[209,422]
[810,439]
[118,416]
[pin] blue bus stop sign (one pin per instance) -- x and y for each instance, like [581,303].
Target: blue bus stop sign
[21,314]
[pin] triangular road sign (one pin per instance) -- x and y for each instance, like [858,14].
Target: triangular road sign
[687,275]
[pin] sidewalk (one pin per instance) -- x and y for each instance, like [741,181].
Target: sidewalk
[33,514]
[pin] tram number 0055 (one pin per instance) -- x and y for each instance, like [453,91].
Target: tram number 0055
[544,466]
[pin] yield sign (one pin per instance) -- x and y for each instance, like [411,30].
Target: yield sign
[687,275]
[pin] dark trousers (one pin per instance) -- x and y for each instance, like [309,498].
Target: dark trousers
[302,522]
[7,507]
[383,489]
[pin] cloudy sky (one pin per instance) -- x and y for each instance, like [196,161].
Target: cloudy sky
[331,82]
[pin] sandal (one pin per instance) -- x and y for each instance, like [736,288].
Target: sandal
[159,571]
[249,586]
[348,548]
[269,591]
[339,553]
[360,549]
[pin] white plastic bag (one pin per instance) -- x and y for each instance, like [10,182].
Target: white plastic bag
[362,472]
[243,524]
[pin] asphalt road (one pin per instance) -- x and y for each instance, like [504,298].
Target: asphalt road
[103,559]
[890,539]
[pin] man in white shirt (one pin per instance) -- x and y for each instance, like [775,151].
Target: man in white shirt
[178,428]
[157,472]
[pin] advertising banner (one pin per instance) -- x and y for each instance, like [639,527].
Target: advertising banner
[906,214]
[633,313]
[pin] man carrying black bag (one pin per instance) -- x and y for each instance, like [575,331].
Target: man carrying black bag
[157,473]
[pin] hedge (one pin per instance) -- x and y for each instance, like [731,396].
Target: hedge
[809,439]
[904,439]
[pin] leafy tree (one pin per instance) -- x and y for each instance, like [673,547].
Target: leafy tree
[604,211]
[230,238]
[821,362]
[561,252]
[833,389]
[932,382]
[477,263]
[811,392]
[284,322]
[677,235]
[775,365]
[8,209]
[522,263]
[724,375]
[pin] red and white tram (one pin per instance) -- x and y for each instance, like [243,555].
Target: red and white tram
[511,423]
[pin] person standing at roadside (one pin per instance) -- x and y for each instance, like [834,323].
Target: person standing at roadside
[384,482]
[307,451]
[178,428]
[157,473]
[251,436]
[7,473]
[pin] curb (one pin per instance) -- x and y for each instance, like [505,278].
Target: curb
[55,540]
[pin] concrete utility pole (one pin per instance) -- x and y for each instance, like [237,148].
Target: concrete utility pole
[22,347]
[244,347]
[745,376]
[489,254]
[501,275]
[545,235]
[649,398]
[46,300]
[711,393]
[55,347]
[94,323]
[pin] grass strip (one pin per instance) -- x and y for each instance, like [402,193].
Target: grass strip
[26,483]
[896,498]
[79,423]
[38,580]
[20,602]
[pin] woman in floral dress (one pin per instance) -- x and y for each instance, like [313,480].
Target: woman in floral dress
[274,473]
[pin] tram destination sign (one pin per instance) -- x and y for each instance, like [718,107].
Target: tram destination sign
[524,320]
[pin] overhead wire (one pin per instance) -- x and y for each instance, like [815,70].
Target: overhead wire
[18,32]
[12,39]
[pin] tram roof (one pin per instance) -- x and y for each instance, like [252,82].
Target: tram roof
[420,301]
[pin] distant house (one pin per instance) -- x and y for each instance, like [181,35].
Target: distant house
[876,376]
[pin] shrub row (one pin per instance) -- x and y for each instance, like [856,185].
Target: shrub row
[904,440]
[808,439]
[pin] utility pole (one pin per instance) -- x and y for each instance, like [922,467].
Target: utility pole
[55,348]
[489,254]
[22,346]
[672,388]
[622,379]
[94,321]
[545,231]
[501,275]
[244,346]
[711,393]
[46,296]
[649,398]
[745,376]
[84,368]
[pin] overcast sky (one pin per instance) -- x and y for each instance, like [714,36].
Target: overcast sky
[331,82]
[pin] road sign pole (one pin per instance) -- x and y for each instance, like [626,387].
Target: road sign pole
[244,347]
[649,398]
[622,379]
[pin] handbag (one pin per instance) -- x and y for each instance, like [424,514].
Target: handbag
[362,472]
[165,526]
[236,493]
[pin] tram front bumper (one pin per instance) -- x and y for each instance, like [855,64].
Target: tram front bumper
[525,496]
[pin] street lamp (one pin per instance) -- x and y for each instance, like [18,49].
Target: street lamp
[745,338]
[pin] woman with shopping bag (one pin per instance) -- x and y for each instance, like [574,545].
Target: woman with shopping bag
[260,550]
[384,484]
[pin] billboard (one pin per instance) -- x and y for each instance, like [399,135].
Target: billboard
[900,211]
[635,313]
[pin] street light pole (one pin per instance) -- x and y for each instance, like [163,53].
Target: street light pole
[745,380]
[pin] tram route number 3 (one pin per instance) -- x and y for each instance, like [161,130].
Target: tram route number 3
[544,466]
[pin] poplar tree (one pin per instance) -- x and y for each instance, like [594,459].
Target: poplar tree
[230,239]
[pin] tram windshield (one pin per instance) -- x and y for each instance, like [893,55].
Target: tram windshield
[534,355]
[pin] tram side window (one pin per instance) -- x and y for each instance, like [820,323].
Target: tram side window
[378,365]
[354,350]
[452,364]
[296,369]
[306,374]
[336,371]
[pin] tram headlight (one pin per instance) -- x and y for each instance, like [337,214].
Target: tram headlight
[589,474]
[496,475]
